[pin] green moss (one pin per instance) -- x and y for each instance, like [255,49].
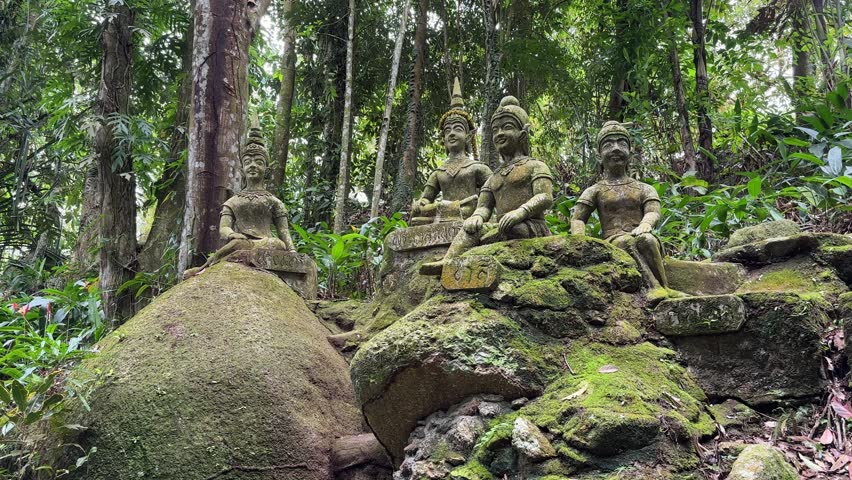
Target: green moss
[543,294]
[801,276]
[763,231]
[472,470]
[197,381]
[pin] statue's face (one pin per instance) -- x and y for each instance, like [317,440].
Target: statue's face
[254,165]
[455,135]
[507,133]
[615,151]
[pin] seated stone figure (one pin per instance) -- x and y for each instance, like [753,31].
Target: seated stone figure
[629,209]
[516,195]
[462,175]
[247,218]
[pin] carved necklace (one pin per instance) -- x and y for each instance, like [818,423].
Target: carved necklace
[454,168]
[507,169]
[253,195]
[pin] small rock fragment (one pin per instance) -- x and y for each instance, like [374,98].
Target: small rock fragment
[529,440]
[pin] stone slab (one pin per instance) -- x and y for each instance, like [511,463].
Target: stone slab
[471,272]
[297,270]
[704,278]
[763,231]
[705,315]
[773,250]
[422,236]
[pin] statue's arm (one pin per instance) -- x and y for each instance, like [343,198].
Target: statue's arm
[650,218]
[226,225]
[283,228]
[430,190]
[542,199]
[484,205]
[582,212]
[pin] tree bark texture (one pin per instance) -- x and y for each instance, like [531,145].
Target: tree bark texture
[85,256]
[284,109]
[704,159]
[346,136]
[379,175]
[615,110]
[407,172]
[803,81]
[222,34]
[683,114]
[493,88]
[116,183]
[171,189]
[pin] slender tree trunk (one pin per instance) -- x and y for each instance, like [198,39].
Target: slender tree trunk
[803,82]
[284,110]
[821,30]
[171,189]
[346,138]
[378,178]
[683,114]
[518,25]
[85,258]
[407,173]
[615,109]
[493,89]
[446,58]
[117,184]
[704,159]
[222,34]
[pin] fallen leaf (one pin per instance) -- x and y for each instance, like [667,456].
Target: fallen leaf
[808,463]
[827,437]
[582,390]
[843,410]
[840,463]
[608,369]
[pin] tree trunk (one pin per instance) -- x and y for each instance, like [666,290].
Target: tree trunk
[85,258]
[284,110]
[803,81]
[683,114]
[164,238]
[615,109]
[492,85]
[222,34]
[407,173]
[346,137]
[705,166]
[378,178]
[117,185]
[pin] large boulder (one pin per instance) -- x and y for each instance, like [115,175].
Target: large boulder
[227,375]
[505,337]
[763,231]
[762,462]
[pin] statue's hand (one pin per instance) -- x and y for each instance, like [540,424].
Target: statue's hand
[423,202]
[641,229]
[509,220]
[237,236]
[473,224]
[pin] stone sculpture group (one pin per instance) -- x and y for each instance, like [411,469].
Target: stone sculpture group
[494,206]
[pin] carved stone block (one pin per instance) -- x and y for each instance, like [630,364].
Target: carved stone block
[297,270]
[472,272]
[423,236]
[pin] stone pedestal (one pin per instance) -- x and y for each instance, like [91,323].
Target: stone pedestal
[298,270]
[407,247]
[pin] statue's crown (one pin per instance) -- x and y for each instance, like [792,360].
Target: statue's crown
[255,143]
[611,128]
[510,106]
[457,109]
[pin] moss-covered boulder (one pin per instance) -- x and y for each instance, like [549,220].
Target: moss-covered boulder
[800,275]
[506,341]
[444,351]
[226,375]
[776,355]
[763,231]
[627,405]
[772,250]
[762,462]
[704,278]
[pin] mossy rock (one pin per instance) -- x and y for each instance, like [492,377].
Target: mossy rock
[637,412]
[703,278]
[228,368]
[762,462]
[775,356]
[448,349]
[772,250]
[764,231]
[838,257]
[706,315]
[801,275]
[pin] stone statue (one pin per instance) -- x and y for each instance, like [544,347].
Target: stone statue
[462,175]
[517,194]
[247,218]
[629,209]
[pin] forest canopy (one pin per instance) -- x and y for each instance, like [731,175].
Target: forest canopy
[119,119]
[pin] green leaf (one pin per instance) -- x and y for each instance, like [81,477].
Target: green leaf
[796,142]
[754,187]
[835,160]
[19,393]
[5,397]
